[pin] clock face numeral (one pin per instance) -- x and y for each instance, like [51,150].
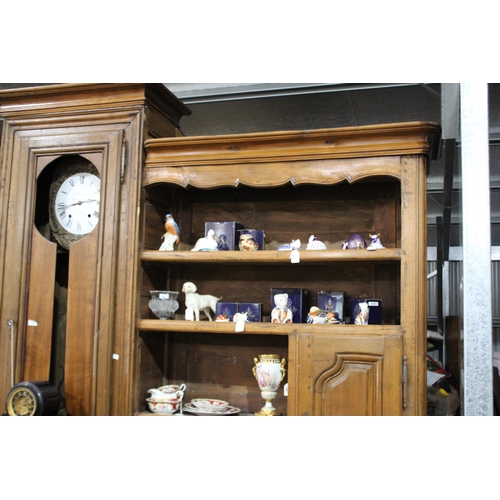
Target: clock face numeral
[77,203]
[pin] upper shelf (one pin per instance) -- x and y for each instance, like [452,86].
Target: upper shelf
[325,156]
[264,328]
[270,256]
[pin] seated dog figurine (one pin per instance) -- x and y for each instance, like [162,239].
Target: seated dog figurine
[196,302]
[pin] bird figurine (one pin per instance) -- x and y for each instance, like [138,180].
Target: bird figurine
[375,242]
[315,244]
[206,244]
[172,234]
[316,316]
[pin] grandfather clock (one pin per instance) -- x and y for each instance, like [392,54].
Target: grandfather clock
[70,193]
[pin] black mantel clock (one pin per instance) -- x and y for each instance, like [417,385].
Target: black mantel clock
[28,399]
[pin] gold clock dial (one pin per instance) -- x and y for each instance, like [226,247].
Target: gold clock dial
[21,402]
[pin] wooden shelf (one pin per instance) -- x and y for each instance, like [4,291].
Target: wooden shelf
[270,256]
[181,326]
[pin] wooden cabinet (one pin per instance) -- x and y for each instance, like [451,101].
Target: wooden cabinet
[328,183]
[80,318]
[68,315]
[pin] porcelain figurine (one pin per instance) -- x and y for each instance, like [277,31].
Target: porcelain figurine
[172,234]
[206,244]
[240,319]
[315,244]
[222,318]
[196,302]
[375,242]
[355,241]
[321,317]
[295,244]
[316,316]
[281,313]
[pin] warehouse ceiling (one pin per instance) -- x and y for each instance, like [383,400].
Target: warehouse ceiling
[233,108]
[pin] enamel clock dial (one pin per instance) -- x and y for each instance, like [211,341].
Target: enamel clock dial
[75,202]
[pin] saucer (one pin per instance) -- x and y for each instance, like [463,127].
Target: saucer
[190,408]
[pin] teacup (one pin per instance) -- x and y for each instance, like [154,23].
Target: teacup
[165,406]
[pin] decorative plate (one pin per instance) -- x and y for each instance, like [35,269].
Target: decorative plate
[190,408]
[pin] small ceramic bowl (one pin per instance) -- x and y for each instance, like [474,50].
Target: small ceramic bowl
[164,406]
[210,404]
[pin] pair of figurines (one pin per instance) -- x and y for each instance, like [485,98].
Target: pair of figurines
[171,238]
[356,241]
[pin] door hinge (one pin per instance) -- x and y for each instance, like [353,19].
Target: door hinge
[405,383]
[123,161]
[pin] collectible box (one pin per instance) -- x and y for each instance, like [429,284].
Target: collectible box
[366,312]
[226,234]
[228,309]
[253,310]
[251,239]
[297,303]
[332,302]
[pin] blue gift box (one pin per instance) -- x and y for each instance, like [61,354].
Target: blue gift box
[369,313]
[331,302]
[298,302]
[226,234]
[228,309]
[253,310]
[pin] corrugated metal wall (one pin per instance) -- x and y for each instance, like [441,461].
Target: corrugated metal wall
[455,273]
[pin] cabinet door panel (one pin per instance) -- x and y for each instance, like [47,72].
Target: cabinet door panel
[347,376]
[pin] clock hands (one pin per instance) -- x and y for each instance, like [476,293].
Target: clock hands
[80,203]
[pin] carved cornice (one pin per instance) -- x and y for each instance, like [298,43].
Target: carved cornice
[296,157]
[84,98]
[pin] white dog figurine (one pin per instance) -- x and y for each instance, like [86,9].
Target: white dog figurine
[196,302]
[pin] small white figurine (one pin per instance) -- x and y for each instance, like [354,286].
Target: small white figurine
[171,236]
[315,244]
[206,244]
[295,245]
[240,319]
[196,302]
[281,313]
[375,242]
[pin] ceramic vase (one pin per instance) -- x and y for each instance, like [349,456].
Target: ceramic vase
[163,303]
[269,371]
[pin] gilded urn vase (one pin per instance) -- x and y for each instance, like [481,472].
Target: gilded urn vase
[269,370]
